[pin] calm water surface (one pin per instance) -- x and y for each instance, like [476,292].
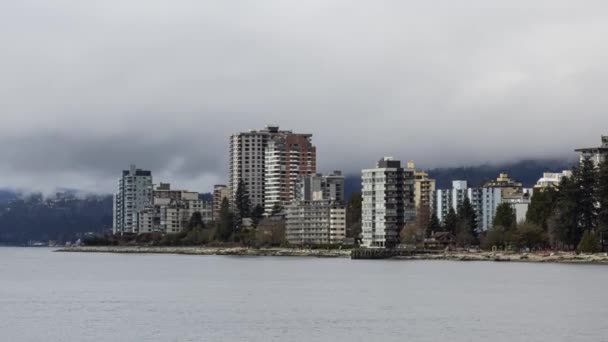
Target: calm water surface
[46,296]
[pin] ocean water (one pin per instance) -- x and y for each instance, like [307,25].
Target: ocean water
[47,296]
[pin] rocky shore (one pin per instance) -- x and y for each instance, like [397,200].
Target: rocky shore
[240,251]
[556,257]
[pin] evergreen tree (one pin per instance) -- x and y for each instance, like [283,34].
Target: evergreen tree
[225,225]
[588,244]
[196,221]
[586,179]
[563,223]
[541,207]
[276,210]
[601,196]
[242,204]
[257,215]
[467,218]
[451,222]
[434,225]
[504,217]
[353,215]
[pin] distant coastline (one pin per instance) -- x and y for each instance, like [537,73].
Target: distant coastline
[556,257]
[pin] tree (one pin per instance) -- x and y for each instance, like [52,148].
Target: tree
[242,204]
[588,244]
[541,206]
[353,215]
[504,217]
[276,210]
[423,218]
[450,224]
[271,232]
[466,228]
[586,181]
[225,224]
[196,220]
[257,215]
[434,225]
[530,235]
[601,195]
[409,234]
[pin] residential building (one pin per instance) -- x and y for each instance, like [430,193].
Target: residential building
[388,202]
[596,154]
[453,198]
[551,179]
[520,203]
[287,157]
[321,187]
[290,155]
[317,214]
[172,209]
[315,222]
[134,194]
[424,188]
[492,196]
[220,192]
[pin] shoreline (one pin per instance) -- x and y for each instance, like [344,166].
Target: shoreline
[554,257]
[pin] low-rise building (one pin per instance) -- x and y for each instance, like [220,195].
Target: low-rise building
[317,214]
[220,192]
[551,179]
[315,223]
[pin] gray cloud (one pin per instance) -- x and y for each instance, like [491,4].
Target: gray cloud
[89,87]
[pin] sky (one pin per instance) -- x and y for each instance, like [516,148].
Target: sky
[89,87]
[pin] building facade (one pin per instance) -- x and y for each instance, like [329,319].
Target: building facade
[315,222]
[134,194]
[551,179]
[287,158]
[317,214]
[171,210]
[320,187]
[388,203]
[596,154]
[493,193]
[424,188]
[453,198]
[220,192]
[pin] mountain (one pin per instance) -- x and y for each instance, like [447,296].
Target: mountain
[7,196]
[63,217]
[525,171]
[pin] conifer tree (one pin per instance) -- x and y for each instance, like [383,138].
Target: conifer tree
[601,195]
[467,218]
[451,222]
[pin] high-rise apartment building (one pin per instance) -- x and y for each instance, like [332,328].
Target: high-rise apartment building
[220,192]
[321,187]
[453,198]
[596,154]
[288,157]
[424,188]
[268,162]
[388,202]
[492,195]
[134,194]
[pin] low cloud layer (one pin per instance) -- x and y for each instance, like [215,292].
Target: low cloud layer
[89,87]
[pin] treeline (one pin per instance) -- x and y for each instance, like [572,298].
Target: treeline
[62,217]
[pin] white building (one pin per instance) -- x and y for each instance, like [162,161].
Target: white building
[551,179]
[315,223]
[317,214]
[596,154]
[172,209]
[388,202]
[493,193]
[453,198]
[134,194]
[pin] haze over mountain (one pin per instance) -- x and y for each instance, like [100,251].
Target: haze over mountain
[88,89]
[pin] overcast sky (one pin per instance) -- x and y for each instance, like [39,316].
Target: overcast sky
[88,87]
